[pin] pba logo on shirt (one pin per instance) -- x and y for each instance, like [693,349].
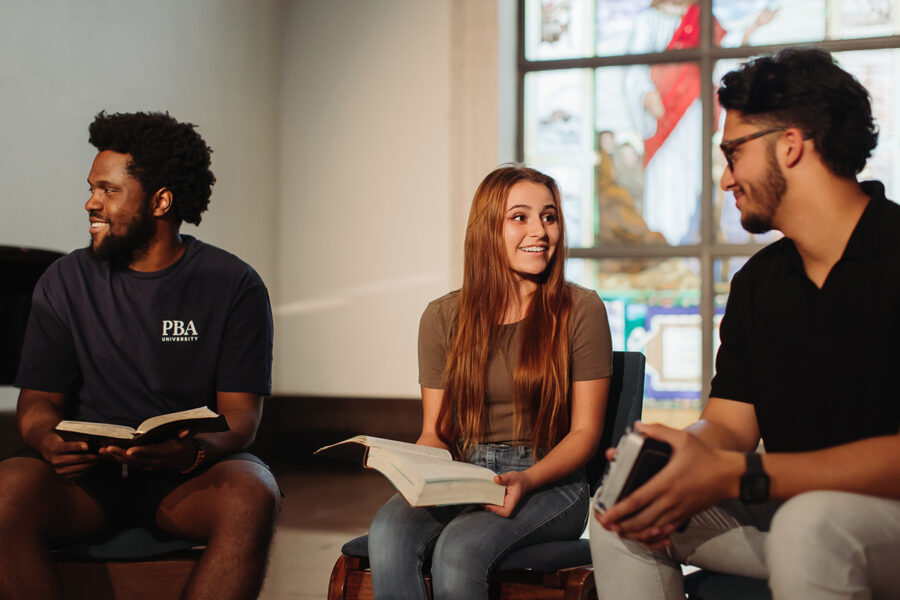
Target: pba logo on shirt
[175,330]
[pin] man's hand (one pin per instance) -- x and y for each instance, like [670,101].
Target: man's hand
[696,477]
[178,454]
[517,485]
[69,459]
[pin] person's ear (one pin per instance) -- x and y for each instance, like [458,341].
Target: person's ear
[792,147]
[161,203]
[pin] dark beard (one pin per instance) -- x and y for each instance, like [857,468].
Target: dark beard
[769,196]
[122,250]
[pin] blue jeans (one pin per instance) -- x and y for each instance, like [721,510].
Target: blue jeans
[465,542]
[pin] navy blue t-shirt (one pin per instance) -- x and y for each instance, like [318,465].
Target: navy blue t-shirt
[127,345]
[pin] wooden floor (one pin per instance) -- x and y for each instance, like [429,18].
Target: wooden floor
[322,509]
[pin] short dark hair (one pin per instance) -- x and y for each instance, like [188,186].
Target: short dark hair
[805,88]
[164,154]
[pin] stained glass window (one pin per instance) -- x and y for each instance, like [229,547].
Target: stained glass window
[618,104]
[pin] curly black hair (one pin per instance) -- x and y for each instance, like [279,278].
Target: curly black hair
[164,154]
[803,87]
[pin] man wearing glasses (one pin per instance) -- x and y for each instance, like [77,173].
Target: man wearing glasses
[806,365]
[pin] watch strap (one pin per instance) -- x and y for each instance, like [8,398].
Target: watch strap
[755,480]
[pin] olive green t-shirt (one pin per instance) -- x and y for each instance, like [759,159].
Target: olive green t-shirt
[590,353]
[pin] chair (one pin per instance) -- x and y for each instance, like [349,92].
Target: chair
[132,564]
[129,564]
[21,269]
[550,570]
[708,585]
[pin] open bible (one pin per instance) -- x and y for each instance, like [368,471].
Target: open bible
[153,430]
[424,476]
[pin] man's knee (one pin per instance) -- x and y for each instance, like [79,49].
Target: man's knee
[253,497]
[22,481]
[239,497]
[812,520]
[18,488]
[811,534]
[34,500]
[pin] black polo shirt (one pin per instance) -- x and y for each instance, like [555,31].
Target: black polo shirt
[820,366]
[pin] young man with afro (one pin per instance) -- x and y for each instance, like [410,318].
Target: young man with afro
[142,322]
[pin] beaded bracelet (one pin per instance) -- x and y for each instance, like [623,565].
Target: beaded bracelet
[201,455]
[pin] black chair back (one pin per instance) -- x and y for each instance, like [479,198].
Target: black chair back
[626,399]
[20,269]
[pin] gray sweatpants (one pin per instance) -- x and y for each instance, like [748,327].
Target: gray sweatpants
[820,545]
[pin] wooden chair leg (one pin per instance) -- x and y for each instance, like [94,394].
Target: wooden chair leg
[580,584]
[337,584]
[351,579]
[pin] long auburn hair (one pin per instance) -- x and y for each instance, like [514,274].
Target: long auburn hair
[541,376]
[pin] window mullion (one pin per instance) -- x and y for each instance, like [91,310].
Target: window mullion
[707,227]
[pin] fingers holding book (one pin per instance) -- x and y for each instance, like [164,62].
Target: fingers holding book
[517,485]
[69,459]
[177,453]
[694,477]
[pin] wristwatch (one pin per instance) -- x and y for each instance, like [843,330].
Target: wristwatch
[754,481]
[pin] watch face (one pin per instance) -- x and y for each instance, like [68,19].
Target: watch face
[755,481]
[755,488]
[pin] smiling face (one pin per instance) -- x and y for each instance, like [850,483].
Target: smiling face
[121,222]
[754,175]
[530,229]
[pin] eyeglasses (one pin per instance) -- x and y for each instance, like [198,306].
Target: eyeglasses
[730,146]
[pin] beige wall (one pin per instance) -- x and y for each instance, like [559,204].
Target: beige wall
[212,62]
[389,120]
[349,136]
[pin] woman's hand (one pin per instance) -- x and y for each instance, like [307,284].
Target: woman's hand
[517,485]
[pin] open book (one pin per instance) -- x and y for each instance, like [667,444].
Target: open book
[151,431]
[423,475]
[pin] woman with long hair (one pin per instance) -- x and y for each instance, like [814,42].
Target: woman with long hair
[514,369]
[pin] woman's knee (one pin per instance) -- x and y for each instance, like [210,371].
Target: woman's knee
[462,555]
[385,533]
[460,567]
[400,530]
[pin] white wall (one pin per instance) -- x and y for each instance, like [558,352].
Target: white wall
[211,62]
[388,123]
[349,136]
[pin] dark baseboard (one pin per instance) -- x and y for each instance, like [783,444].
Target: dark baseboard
[293,427]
